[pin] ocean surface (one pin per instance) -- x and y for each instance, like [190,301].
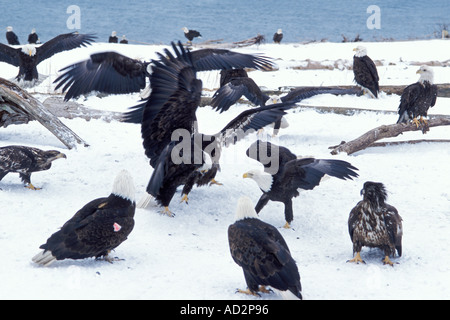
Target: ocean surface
[155,22]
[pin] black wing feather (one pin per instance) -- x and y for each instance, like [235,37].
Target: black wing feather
[62,42]
[216,59]
[108,72]
[251,120]
[231,92]
[306,173]
[9,55]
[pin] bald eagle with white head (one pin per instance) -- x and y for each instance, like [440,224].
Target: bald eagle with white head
[418,97]
[97,228]
[262,253]
[191,34]
[278,36]
[29,56]
[11,37]
[365,71]
[285,174]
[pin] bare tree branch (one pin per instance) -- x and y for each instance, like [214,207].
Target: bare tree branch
[386,131]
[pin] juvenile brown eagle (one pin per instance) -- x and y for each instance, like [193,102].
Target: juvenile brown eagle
[26,160]
[418,97]
[29,56]
[374,223]
[263,254]
[96,229]
[284,174]
[365,71]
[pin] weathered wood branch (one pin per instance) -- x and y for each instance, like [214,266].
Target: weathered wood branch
[385,131]
[443,89]
[29,106]
[71,110]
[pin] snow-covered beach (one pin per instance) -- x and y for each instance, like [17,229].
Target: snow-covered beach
[187,257]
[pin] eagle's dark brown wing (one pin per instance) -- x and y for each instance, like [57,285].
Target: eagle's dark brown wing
[108,72]
[100,226]
[264,256]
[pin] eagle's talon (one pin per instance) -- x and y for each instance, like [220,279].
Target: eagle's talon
[357,259]
[185,199]
[167,212]
[31,187]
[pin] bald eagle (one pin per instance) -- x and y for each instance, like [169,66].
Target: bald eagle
[11,37]
[26,160]
[112,72]
[365,71]
[278,36]
[191,34]
[113,37]
[417,98]
[263,254]
[284,174]
[97,228]
[29,56]
[33,37]
[374,223]
[171,109]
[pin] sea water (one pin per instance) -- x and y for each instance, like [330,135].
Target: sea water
[155,22]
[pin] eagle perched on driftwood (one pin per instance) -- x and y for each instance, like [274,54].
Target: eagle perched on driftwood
[374,223]
[417,98]
[26,160]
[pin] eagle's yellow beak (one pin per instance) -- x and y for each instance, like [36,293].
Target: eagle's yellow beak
[419,71]
[354,49]
[246,175]
[30,52]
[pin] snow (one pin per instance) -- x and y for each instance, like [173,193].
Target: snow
[187,257]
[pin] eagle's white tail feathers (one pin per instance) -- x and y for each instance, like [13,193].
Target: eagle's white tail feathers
[44,258]
[145,201]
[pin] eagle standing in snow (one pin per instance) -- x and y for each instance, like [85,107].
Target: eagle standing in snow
[374,223]
[263,254]
[278,36]
[29,56]
[190,34]
[365,71]
[417,98]
[26,160]
[284,174]
[96,229]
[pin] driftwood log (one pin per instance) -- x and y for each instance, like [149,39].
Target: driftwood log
[387,131]
[17,104]
[72,110]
